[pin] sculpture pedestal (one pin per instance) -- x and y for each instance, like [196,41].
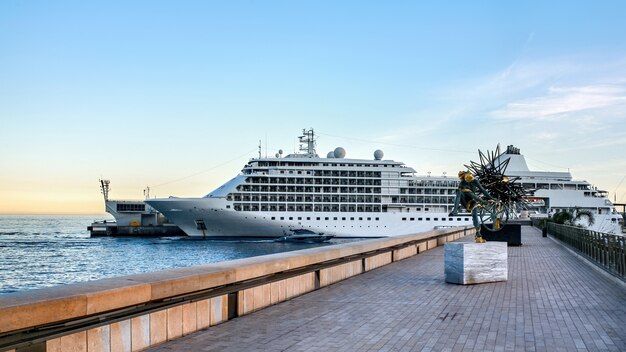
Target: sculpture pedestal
[469,263]
[510,233]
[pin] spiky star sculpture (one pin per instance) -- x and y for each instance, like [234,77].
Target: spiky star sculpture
[491,173]
[488,194]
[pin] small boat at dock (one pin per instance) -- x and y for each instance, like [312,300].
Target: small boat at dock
[304,236]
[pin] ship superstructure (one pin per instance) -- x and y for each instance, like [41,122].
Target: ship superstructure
[335,195]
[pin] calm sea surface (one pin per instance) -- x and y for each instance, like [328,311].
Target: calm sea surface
[47,250]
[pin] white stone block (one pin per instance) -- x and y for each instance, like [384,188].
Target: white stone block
[474,263]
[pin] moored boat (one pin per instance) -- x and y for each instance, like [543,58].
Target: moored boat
[304,236]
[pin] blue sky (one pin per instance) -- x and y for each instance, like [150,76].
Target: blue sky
[149,92]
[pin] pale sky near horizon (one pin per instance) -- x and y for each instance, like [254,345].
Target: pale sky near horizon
[176,95]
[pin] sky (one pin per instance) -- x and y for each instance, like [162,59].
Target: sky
[176,95]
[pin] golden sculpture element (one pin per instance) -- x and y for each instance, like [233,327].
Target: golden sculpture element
[471,195]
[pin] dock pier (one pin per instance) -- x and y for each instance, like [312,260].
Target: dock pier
[552,301]
[384,294]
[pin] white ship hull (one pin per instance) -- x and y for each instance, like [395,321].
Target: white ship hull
[222,222]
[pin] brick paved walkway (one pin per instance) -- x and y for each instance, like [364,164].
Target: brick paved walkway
[551,302]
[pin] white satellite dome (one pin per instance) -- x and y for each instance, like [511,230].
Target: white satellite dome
[330,154]
[339,152]
[378,154]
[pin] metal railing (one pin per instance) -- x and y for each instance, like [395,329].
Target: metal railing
[606,250]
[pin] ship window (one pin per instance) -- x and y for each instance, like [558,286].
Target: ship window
[282,218]
[458,219]
[334,218]
[318,218]
[299,218]
[273,218]
[290,218]
[427,219]
[377,219]
[436,219]
[308,218]
[343,219]
[425,209]
[326,218]
[419,219]
[369,219]
[412,219]
[360,218]
[466,219]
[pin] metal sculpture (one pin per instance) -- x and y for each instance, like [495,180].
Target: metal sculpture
[488,194]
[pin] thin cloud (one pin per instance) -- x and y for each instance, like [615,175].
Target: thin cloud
[563,100]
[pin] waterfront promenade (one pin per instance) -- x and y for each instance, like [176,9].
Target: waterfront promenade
[551,302]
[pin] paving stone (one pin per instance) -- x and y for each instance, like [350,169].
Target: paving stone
[551,302]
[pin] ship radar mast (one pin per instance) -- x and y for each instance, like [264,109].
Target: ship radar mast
[307,142]
[105,188]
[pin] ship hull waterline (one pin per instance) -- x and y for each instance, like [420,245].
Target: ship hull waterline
[216,221]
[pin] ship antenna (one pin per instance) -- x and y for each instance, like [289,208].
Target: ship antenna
[307,142]
[260,149]
[105,188]
[146,192]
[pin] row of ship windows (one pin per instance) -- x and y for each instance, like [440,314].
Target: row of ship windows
[310,189]
[427,191]
[567,186]
[327,218]
[283,163]
[314,181]
[301,189]
[309,208]
[346,182]
[335,199]
[131,207]
[319,208]
[303,198]
[343,179]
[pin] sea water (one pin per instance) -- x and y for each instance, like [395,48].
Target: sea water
[46,250]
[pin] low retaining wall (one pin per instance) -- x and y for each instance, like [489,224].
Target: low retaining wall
[134,312]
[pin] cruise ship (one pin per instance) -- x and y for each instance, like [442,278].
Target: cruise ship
[333,195]
[558,191]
